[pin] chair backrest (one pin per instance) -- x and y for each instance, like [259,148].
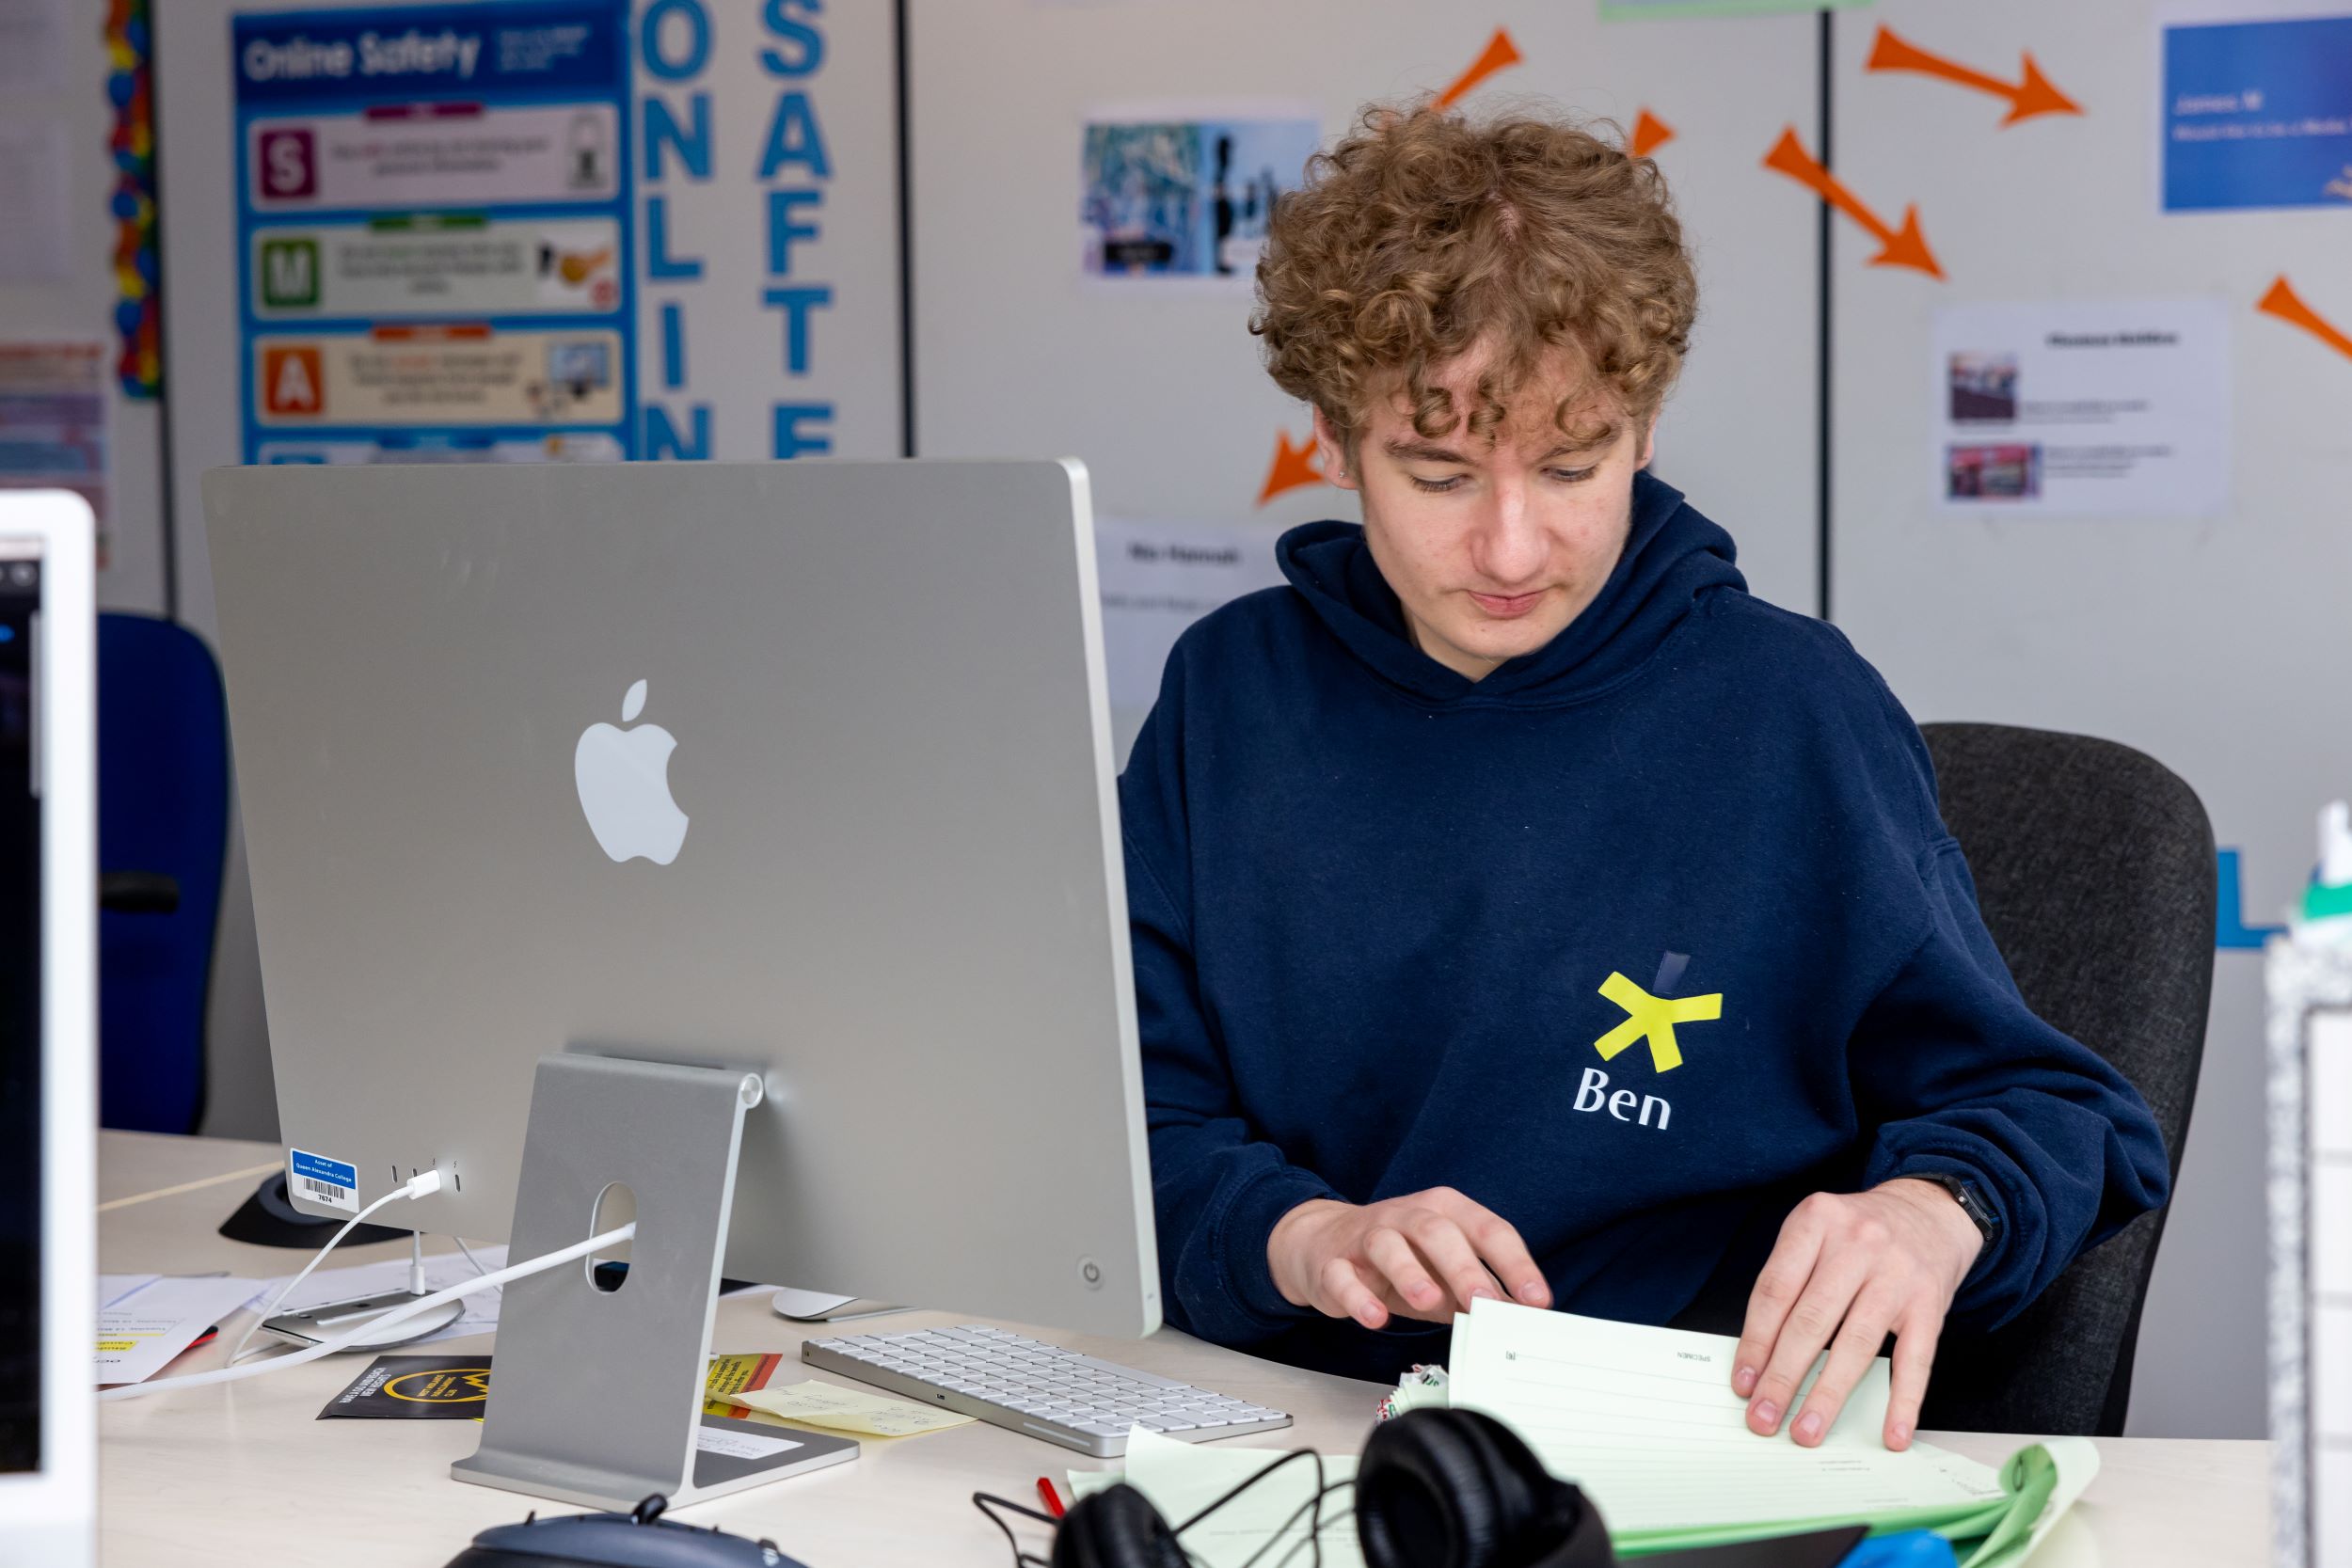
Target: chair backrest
[163,835]
[2095,871]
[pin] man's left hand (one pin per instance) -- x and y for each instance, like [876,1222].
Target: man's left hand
[1848,1270]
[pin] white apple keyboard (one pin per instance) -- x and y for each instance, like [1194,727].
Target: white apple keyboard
[1030,1386]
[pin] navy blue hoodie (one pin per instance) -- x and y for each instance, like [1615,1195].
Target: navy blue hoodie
[1395,929]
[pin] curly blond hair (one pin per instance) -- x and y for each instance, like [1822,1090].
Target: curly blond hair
[1422,234]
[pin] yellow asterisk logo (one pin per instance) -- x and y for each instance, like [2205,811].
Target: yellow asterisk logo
[1655,1018]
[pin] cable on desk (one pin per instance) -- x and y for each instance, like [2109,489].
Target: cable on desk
[400,1314]
[421,1184]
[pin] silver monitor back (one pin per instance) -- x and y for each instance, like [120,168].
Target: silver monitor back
[899,893]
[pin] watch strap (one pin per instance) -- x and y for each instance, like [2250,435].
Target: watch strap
[1972,1203]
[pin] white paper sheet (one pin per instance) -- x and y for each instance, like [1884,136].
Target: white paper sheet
[1156,580]
[2083,406]
[144,1320]
[740,1445]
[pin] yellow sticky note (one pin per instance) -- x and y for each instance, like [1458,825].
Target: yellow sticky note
[728,1374]
[837,1409]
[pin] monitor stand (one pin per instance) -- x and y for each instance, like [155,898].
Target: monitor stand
[596,1396]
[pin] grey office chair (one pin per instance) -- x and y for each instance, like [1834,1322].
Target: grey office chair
[2094,868]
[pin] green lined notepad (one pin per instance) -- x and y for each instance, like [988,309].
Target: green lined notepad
[1182,1478]
[1644,1420]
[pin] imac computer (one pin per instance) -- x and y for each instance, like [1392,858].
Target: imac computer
[738,840]
[48,1031]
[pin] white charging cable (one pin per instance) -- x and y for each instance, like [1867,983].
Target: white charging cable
[424,1183]
[400,1314]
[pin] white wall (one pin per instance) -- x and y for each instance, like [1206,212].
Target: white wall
[2217,645]
[1161,392]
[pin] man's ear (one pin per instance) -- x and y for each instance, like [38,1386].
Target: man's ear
[1649,442]
[1333,453]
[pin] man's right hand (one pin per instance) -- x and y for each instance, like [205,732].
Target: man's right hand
[1426,1255]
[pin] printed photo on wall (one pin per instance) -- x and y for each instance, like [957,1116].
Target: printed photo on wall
[1173,194]
[1984,387]
[1992,473]
[52,422]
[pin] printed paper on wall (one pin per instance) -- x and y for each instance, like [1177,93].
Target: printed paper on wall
[2092,407]
[52,422]
[1171,195]
[1158,578]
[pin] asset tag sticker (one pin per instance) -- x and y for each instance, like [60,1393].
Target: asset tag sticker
[322,1181]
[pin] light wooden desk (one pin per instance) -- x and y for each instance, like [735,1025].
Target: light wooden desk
[244,1474]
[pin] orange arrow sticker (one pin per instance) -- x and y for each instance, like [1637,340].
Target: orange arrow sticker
[1292,466]
[1649,134]
[2031,95]
[2285,304]
[1899,247]
[1499,51]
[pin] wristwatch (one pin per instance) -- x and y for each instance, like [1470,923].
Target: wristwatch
[1971,1203]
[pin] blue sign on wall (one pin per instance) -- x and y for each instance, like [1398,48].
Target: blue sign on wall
[435,233]
[2258,114]
[422,51]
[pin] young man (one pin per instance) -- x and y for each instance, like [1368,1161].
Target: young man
[1523,909]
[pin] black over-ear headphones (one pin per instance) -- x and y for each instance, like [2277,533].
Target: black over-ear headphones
[1435,1489]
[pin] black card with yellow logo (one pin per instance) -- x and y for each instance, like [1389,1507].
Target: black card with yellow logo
[416,1389]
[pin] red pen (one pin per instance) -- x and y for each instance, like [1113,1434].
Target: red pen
[1052,1498]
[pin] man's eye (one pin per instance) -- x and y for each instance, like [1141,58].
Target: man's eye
[1571,476]
[1434,486]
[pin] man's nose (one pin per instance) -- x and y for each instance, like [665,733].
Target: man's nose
[1507,547]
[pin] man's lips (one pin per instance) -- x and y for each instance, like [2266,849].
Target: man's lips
[1507,607]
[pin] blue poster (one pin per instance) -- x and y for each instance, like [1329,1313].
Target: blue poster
[2258,114]
[434,232]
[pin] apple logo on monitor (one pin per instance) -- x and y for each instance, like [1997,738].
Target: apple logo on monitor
[624,779]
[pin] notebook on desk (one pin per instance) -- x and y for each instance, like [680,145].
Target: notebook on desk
[1644,1420]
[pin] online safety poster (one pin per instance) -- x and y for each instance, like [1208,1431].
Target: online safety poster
[434,232]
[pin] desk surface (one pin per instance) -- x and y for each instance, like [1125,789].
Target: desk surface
[244,1474]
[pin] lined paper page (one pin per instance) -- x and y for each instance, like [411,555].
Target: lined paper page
[1645,1422]
[1181,1479]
